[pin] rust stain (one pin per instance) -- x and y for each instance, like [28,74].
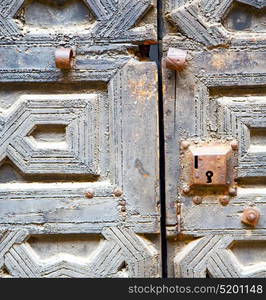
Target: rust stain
[142,171]
[221,60]
[142,89]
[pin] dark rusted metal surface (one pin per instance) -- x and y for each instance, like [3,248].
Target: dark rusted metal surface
[210,165]
[64,58]
[176,59]
[250,216]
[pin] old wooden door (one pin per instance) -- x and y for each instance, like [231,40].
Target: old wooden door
[215,138]
[79,148]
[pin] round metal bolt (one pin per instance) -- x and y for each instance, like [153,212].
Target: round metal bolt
[186,190]
[89,195]
[118,193]
[234,145]
[122,202]
[197,200]
[224,200]
[64,58]
[176,59]
[250,216]
[185,145]
[232,191]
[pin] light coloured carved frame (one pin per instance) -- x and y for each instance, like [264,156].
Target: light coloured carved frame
[121,245]
[110,122]
[212,255]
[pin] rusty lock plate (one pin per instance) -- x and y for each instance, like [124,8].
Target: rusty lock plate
[209,165]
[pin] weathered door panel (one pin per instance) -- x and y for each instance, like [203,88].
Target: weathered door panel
[218,98]
[79,188]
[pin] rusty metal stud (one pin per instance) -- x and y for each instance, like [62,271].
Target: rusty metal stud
[122,202]
[64,58]
[185,145]
[118,193]
[250,216]
[197,200]
[176,59]
[224,200]
[186,190]
[234,145]
[89,195]
[232,191]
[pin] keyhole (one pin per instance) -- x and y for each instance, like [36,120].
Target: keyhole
[209,175]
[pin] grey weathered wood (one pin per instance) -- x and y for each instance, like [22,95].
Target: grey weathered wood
[78,148]
[219,96]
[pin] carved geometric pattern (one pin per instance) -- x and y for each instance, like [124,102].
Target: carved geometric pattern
[211,254]
[201,20]
[236,117]
[255,3]
[78,112]
[121,245]
[8,10]
[115,19]
[99,122]
[8,239]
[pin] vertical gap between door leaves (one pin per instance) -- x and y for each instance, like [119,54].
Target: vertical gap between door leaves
[161,139]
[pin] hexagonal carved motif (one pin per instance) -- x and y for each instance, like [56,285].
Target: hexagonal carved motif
[115,20]
[201,20]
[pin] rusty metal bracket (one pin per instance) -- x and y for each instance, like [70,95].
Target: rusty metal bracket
[176,59]
[64,58]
